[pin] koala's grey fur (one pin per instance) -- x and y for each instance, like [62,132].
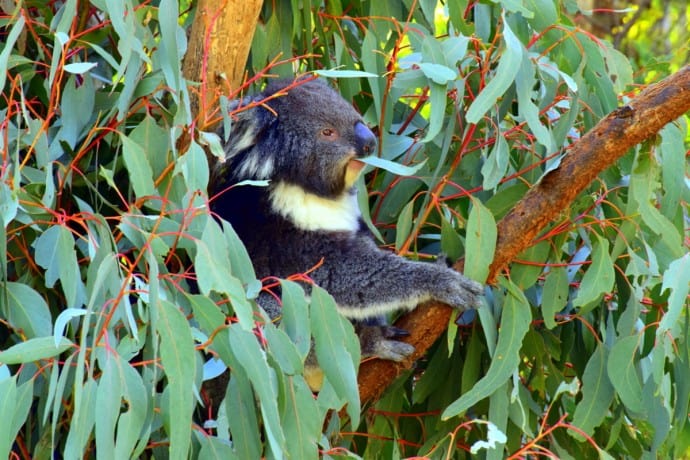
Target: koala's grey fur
[306,144]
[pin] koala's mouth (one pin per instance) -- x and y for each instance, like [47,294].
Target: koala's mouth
[352,171]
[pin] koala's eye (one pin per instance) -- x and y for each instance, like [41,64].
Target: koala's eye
[329,133]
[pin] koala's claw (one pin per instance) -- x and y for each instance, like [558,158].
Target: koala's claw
[392,332]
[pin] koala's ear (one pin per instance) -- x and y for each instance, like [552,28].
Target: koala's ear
[247,149]
[247,125]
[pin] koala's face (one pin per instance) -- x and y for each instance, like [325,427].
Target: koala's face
[309,137]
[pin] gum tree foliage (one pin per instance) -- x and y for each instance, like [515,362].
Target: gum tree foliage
[107,332]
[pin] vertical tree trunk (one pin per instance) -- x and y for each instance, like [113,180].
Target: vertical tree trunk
[219,44]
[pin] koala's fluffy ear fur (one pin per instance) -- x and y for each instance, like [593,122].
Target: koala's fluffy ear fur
[306,141]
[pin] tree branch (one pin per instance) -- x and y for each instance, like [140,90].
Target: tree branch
[218,48]
[600,148]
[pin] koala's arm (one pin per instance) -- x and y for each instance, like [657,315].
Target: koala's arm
[367,282]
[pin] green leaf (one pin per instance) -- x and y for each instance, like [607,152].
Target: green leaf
[83,419]
[295,316]
[243,420]
[9,204]
[213,268]
[437,110]
[554,295]
[131,437]
[515,321]
[597,394]
[26,310]
[508,67]
[598,279]
[109,401]
[177,356]
[79,67]
[526,274]
[451,243]
[169,55]
[673,166]
[642,191]
[301,420]
[337,73]
[496,164]
[677,279]
[10,40]
[214,448]
[481,237]
[61,322]
[404,225]
[55,252]
[393,167]
[525,81]
[283,350]
[34,350]
[337,349]
[240,262]
[194,168]
[136,161]
[438,73]
[249,355]
[622,371]
[15,403]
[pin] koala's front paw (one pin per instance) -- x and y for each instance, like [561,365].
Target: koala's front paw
[458,291]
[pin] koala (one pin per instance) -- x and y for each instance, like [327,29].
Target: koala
[307,142]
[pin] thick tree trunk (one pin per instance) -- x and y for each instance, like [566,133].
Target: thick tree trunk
[600,148]
[219,44]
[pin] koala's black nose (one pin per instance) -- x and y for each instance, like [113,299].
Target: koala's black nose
[365,140]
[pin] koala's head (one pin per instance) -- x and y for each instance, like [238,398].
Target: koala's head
[306,135]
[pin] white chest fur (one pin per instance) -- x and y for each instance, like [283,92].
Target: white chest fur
[311,212]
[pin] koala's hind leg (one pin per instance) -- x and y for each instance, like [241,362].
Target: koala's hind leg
[378,340]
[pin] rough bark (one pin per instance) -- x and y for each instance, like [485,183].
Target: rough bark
[610,139]
[219,44]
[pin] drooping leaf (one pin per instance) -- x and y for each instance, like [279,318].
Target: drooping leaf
[336,349]
[598,279]
[507,70]
[139,169]
[249,355]
[55,252]
[301,419]
[239,401]
[481,238]
[554,295]
[597,394]
[177,354]
[515,321]
[623,373]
